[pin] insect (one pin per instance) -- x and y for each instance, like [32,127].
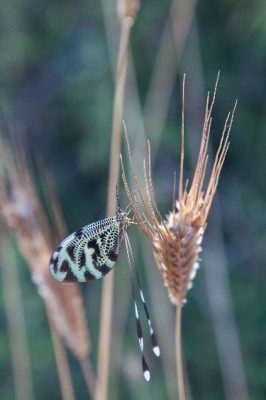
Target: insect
[91,252]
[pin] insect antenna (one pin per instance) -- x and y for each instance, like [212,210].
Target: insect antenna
[155,346]
[117,198]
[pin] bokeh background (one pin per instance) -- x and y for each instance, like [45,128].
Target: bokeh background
[57,67]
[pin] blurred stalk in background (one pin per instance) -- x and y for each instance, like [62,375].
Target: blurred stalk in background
[25,218]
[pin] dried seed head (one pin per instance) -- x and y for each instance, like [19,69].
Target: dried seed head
[127,10]
[176,242]
[176,246]
[22,213]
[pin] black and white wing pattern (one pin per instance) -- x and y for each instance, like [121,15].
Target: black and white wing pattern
[90,252]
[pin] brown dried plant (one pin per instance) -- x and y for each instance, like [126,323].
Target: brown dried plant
[176,241]
[127,12]
[24,216]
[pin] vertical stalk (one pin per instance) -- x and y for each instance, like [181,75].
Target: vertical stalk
[179,359]
[65,380]
[88,374]
[107,291]
[16,324]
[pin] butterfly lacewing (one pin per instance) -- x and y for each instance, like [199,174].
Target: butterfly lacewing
[91,252]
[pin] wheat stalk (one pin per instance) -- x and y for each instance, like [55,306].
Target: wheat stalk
[14,310]
[24,216]
[176,241]
[127,10]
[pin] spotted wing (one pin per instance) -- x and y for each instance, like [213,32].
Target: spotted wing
[89,253]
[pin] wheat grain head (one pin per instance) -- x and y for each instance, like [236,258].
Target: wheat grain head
[176,241]
[23,215]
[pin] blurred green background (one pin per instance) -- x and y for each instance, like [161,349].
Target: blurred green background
[57,63]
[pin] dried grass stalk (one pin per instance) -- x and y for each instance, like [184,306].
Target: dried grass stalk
[176,241]
[127,10]
[15,317]
[25,218]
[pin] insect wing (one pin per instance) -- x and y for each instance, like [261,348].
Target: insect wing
[89,253]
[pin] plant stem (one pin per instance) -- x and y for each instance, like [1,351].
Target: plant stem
[107,291]
[65,380]
[16,324]
[179,359]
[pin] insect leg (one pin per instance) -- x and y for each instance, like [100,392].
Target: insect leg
[155,347]
[145,367]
